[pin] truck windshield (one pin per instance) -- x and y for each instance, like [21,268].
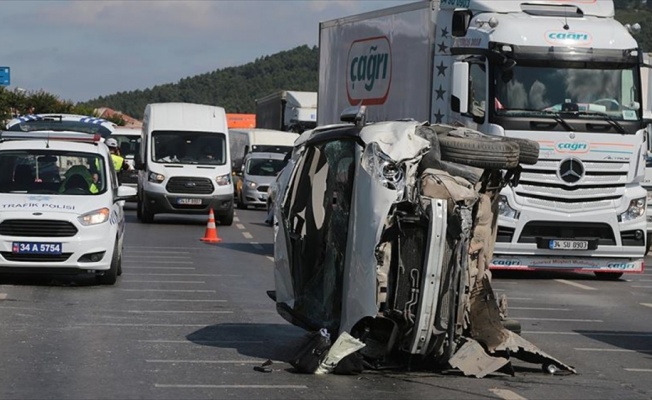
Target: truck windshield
[575,91]
[183,147]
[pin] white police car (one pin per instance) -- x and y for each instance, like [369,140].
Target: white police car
[61,207]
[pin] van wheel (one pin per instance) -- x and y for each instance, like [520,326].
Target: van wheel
[227,220]
[144,214]
[111,275]
[648,243]
[479,151]
[241,204]
[608,276]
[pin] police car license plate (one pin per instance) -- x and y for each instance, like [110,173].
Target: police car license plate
[569,245]
[35,248]
[194,202]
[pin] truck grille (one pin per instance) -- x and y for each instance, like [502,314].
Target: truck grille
[600,183]
[9,256]
[560,230]
[37,228]
[189,185]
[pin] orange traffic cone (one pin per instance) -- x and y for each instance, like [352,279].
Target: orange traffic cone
[211,231]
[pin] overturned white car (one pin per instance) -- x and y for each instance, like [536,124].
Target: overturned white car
[384,232]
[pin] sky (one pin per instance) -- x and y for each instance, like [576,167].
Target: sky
[80,50]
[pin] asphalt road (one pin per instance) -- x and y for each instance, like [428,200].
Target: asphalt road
[189,320]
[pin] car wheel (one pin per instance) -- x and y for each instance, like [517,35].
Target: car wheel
[241,204]
[479,151]
[144,213]
[528,150]
[648,243]
[227,219]
[111,275]
[608,276]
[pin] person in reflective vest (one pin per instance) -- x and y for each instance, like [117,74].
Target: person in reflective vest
[78,176]
[119,163]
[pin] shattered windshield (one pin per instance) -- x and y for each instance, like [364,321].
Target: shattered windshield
[51,172]
[183,147]
[264,166]
[580,89]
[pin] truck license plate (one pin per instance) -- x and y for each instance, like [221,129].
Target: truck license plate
[35,248]
[569,245]
[194,202]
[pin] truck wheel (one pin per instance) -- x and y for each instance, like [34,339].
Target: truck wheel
[608,276]
[144,213]
[111,275]
[479,151]
[227,220]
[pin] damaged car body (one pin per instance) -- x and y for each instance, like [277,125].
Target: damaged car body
[384,231]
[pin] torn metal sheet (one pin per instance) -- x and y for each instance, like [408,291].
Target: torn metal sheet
[472,360]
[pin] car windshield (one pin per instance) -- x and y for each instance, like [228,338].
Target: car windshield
[544,91]
[129,145]
[182,147]
[52,172]
[264,166]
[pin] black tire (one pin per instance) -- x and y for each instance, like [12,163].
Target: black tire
[648,243]
[512,325]
[479,151]
[227,220]
[528,150]
[110,276]
[241,204]
[144,213]
[608,276]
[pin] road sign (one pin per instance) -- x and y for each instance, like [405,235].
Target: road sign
[4,76]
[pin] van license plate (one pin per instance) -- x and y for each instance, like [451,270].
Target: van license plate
[194,202]
[569,245]
[35,248]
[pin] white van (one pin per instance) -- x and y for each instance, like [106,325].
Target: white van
[184,166]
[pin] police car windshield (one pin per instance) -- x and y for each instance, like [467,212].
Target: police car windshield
[181,147]
[52,172]
[56,125]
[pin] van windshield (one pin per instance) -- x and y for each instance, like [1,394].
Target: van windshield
[184,147]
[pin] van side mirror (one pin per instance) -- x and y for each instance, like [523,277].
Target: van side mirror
[460,89]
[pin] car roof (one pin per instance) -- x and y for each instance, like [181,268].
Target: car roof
[60,123]
[42,144]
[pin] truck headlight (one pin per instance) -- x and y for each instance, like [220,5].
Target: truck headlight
[636,209]
[384,169]
[505,210]
[251,184]
[155,177]
[94,217]
[223,180]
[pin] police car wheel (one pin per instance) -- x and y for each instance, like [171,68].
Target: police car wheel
[111,275]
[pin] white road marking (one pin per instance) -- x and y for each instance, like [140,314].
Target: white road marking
[640,280]
[536,308]
[577,285]
[180,300]
[257,245]
[613,350]
[201,341]
[643,304]
[137,281]
[556,319]
[519,298]
[181,268]
[205,361]
[176,312]
[506,394]
[638,369]
[144,325]
[270,258]
[169,386]
[167,290]
[247,235]
[162,274]
[3,296]
[236,219]
[623,334]
[240,226]
[642,287]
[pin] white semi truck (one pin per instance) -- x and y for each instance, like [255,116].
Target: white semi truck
[563,73]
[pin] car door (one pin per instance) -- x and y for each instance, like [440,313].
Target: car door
[314,228]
